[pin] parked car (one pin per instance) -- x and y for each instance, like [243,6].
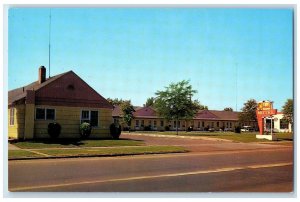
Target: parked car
[211,130]
[247,129]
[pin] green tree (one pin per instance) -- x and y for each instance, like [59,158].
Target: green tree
[248,113]
[228,109]
[199,105]
[116,101]
[150,102]
[288,111]
[175,102]
[127,112]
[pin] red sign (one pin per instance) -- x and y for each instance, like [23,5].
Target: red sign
[264,109]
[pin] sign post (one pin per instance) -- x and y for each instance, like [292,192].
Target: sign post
[265,109]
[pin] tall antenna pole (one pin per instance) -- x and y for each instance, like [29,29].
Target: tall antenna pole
[49,40]
[236,93]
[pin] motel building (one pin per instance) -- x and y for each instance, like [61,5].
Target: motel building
[278,124]
[146,118]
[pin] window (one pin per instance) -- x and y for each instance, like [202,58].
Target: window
[212,124]
[50,114]
[218,124]
[199,124]
[44,114]
[154,123]
[230,124]
[94,118]
[137,122]
[85,116]
[150,123]
[12,116]
[40,114]
[284,124]
[162,123]
[142,123]
[89,117]
[178,124]
[203,124]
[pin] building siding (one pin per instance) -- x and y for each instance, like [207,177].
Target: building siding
[16,131]
[69,118]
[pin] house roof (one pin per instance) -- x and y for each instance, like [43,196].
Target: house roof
[149,112]
[20,93]
[54,91]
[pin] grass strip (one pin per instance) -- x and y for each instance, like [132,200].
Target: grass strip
[41,144]
[113,151]
[236,137]
[13,154]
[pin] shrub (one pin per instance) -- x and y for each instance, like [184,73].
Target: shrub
[54,129]
[115,131]
[237,129]
[147,128]
[167,128]
[190,128]
[85,130]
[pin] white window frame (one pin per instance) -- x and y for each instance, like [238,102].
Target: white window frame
[90,116]
[45,117]
[12,116]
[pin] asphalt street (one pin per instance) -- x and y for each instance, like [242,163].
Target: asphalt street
[220,167]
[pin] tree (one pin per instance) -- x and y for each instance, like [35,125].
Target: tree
[229,109]
[150,102]
[116,101]
[248,113]
[199,105]
[288,110]
[127,112]
[175,102]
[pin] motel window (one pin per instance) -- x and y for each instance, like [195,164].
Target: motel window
[161,123]
[284,124]
[12,116]
[44,114]
[137,122]
[89,117]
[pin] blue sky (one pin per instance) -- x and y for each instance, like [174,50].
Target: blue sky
[229,55]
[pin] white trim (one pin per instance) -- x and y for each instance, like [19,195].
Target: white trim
[13,115]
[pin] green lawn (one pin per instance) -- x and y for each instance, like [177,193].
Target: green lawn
[237,137]
[69,143]
[80,152]
[12,154]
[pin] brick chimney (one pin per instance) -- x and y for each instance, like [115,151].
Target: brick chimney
[42,74]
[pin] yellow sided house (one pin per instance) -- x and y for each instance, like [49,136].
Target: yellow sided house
[65,99]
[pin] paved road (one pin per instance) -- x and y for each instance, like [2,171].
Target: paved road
[254,168]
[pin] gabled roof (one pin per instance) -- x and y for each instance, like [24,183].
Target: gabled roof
[20,93]
[59,90]
[147,112]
